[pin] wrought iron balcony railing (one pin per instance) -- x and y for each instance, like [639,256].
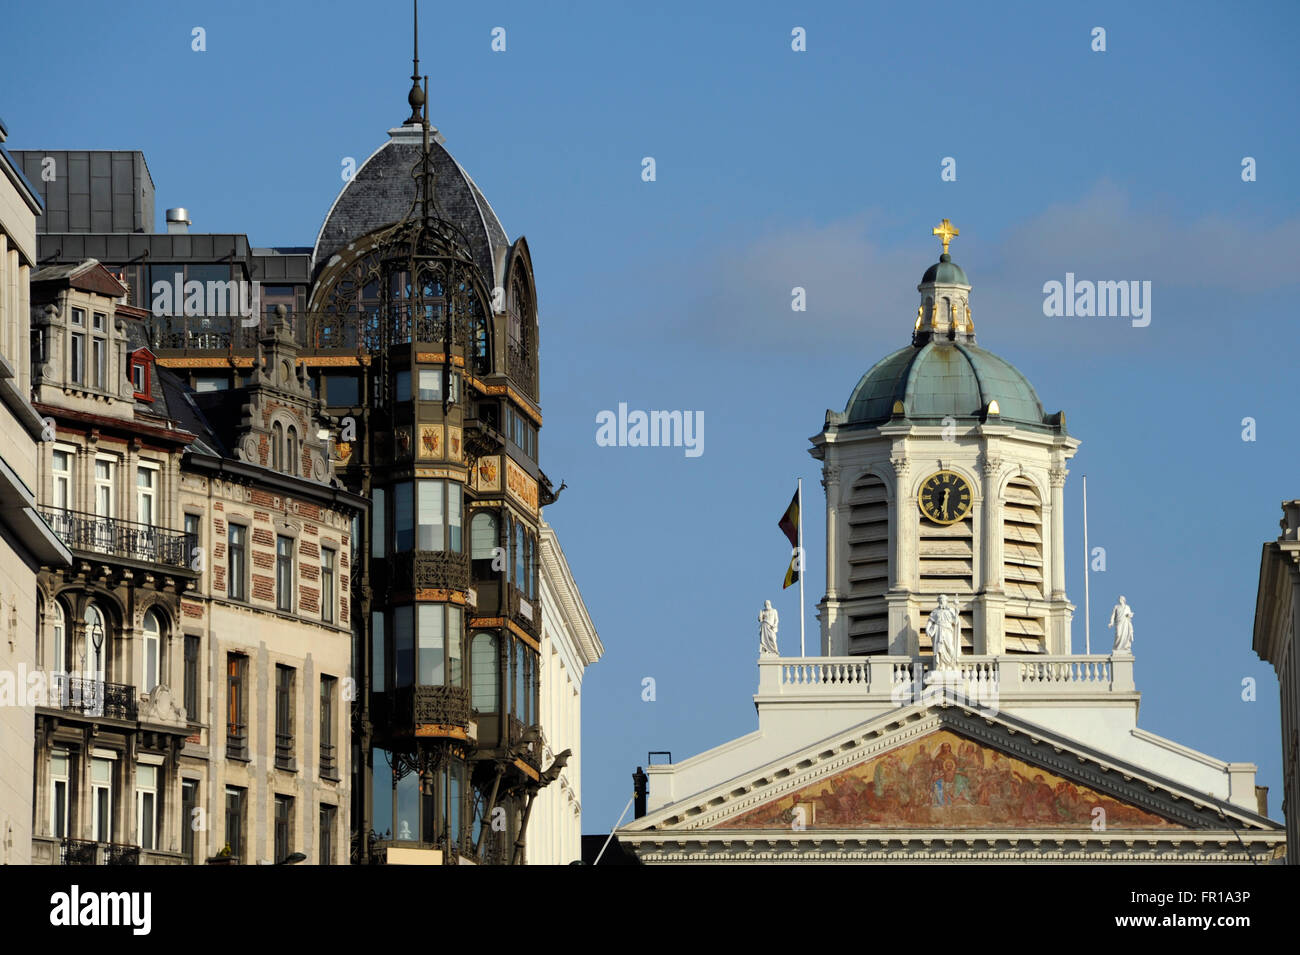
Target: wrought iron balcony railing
[94,533]
[92,697]
[88,852]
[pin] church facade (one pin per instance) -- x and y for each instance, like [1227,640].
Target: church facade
[947,719]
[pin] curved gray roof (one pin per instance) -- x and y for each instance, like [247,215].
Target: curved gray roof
[382,190]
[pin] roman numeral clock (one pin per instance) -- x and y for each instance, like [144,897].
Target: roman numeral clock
[945,497]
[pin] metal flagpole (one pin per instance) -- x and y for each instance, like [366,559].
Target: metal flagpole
[803,652]
[1087,617]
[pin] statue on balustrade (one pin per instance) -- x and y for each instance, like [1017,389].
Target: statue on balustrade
[1121,618]
[767,624]
[944,631]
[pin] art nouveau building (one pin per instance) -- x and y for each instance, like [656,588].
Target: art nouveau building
[199,646]
[1277,629]
[414,323]
[944,477]
[26,541]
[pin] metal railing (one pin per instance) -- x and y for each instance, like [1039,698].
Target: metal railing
[89,852]
[95,533]
[236,741]
[92,697]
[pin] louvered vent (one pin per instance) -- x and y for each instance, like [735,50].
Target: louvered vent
[868,566]
[1022,565]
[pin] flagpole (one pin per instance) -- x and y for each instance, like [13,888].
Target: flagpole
[803,652]
[1087,617]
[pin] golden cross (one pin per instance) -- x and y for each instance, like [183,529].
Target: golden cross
[947,231]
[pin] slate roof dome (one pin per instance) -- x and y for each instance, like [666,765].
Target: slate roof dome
[383,190]
[945,272]
[938,379]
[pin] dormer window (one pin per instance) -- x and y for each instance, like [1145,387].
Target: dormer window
[142,374]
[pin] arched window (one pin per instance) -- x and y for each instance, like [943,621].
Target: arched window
[277,447]
[152,651]
[97,643]
[59,631]
[292,464]
[485,676]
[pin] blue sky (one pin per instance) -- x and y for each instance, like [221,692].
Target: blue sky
[777,169]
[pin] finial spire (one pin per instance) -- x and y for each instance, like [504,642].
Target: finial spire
[416,97]
[947,231]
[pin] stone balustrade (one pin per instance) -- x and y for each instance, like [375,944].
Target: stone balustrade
[978,677]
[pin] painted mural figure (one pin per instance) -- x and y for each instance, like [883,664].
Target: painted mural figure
[944,631]
[1121,618]
[767,624]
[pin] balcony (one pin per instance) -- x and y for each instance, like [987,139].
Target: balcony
[91,697]
[85,852]
[900,680]
[145,543]
[429,570]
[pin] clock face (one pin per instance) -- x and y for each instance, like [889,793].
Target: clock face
[945,497]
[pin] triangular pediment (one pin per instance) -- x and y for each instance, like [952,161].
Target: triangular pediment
[946,780]
[945,766]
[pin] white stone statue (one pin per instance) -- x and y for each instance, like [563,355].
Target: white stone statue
[767,624]
[944,630]
[1121,618]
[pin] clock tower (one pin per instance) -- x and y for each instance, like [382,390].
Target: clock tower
[943,475]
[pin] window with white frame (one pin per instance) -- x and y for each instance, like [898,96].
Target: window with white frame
[59,627]
[77,348]
[146,493]
[152,651]
[101,799]
[61,467]
[146,806]
[60,792]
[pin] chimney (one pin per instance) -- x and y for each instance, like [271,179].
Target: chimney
[1261,800]
[640,786]
[178,221]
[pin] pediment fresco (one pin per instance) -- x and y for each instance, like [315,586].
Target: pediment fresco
[944,780]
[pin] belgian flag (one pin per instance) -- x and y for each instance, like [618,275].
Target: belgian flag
[789,525]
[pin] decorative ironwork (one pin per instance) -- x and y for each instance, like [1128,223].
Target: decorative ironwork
[91,697]
[93,533]
[78,852]
[430,570]
[121,855]
[89,852]
[442,704]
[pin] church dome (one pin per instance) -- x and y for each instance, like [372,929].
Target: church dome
[945,272]
[938,379]
[383,191]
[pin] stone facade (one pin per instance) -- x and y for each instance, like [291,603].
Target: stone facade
[569,645]
[25,541]
[200,677]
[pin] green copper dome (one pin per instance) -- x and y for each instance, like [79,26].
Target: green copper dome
[941,378]
[945,272]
